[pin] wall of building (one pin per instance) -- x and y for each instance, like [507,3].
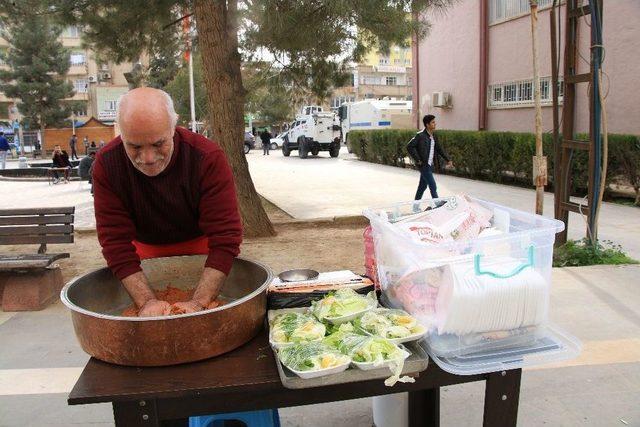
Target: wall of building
[449,62]
[105,95]
[399,56]
[453,41]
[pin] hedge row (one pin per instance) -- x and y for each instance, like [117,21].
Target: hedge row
[503,157]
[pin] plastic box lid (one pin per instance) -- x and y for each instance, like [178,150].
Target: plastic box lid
[547,345]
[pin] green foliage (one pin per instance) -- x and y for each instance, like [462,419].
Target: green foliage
[37,63]
[269,98]
[164,59]
[576,253]
[178,88]
[311,43]
[502,156]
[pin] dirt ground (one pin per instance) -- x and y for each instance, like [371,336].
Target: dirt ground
[320,246]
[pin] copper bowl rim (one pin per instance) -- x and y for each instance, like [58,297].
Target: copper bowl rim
[73,307]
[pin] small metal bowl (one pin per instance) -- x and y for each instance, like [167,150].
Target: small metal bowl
[298,275]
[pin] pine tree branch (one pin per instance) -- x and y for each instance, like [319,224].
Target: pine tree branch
[177,21]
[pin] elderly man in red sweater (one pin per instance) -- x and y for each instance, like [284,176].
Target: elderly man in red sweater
[161,190]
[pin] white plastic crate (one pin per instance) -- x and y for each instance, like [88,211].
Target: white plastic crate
[485,300]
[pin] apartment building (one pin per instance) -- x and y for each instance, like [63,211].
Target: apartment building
[470,85]
[97,84]
[378,76]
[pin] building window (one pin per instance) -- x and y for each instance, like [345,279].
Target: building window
[398,61]
[370,80]
[383,61]
[391,81]
[520,93]
[80,110]
[503,10]
[407,62]
[72,31]
[78,58]
[339,100]
[80,85]
[409,81]
[110,105]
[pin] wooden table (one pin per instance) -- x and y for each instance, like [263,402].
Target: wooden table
[247,379]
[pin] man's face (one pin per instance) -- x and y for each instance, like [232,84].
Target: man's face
[149,151]
[432,125]
[57,149]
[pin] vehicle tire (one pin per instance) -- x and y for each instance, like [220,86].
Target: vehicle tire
[274,146]
[247,148]
[303,149]
[334,151]
[315,151]
[285,149]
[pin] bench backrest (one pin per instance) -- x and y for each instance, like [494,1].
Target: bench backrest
[36,226]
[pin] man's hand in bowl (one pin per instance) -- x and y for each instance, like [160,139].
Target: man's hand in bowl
[186,307]
[154,307]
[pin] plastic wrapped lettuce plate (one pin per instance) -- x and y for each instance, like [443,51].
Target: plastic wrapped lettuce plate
[343,306]
[371,352]
[395,325]
[313,360]
[290,326]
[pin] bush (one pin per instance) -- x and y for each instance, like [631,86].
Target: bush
[576,253]
[502,156]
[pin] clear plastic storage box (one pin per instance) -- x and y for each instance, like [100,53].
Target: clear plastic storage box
[479,280]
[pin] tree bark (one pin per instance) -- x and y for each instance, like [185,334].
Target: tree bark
[216,21]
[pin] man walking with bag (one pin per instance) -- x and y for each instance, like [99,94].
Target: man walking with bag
[423,149]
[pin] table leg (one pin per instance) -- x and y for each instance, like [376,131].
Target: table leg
[136,413]
[501,398]
[142,413]
[424,408]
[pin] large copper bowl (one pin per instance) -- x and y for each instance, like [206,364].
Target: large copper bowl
[97,298]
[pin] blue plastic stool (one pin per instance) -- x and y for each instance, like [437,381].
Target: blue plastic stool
[266,418]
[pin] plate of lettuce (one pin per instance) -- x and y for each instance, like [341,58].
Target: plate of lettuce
[313,359]
[397,326]
[292,326]
[343,306]
[370,352]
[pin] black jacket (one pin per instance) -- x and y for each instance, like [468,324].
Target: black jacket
[420,145]
[61,160]
[265,137]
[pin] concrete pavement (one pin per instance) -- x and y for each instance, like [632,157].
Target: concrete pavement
[321,186]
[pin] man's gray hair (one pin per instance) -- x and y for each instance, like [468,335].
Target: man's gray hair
[168,104]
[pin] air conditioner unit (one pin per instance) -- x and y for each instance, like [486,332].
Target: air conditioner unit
[105,76]
[92,79]
[441,99]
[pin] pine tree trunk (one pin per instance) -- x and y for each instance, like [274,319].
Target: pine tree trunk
[216,21]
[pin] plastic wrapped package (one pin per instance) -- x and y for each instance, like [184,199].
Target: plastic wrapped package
[477,274]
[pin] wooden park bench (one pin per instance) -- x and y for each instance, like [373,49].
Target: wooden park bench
[29,281]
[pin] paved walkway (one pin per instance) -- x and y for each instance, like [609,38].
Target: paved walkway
[325,187]
[38,194]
